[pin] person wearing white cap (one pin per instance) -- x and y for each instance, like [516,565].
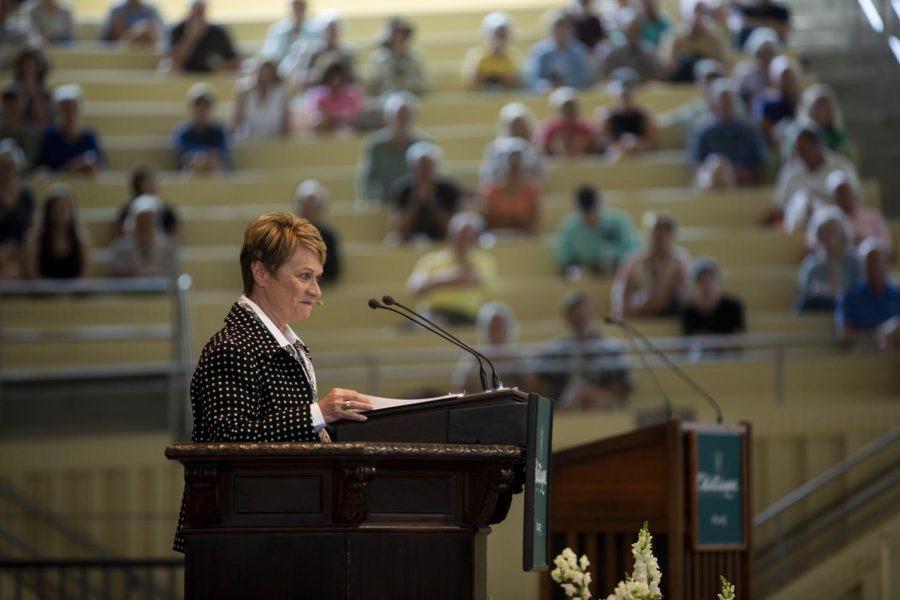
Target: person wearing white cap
[423,201]
[494,64]
[515,121]
[566,134]
[66,146]
[775,108]
[145,250]
[310,203]
[201,144]
[513,201]
[751,75]
[198,46]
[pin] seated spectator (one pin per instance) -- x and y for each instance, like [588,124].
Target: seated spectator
[15,34]
[336,103]
[516,121]
[384,154]
[66,146]
[13,125]
[422,201]
[726,150]
[57,247]
[16,210]
[144,181]
[451,284]
[497,331]
[832,266]
[699,112]
[653,282]
[585,370]
[872,306]
[198,46]
[776,107]
[311,203]
[52,22]
[394,65]
[306,61]
[595,237]
[133,22]
[513,201]
[801,183]
[654,23]
[261,104]
[864,222]
[632,52]
[30,69]
[145,250]
[763,13]
[494,65]
[566,134]
[293,29]
[819,105]
[626,129]
[751,75]
[690,41]
[201,144]
[587,26]
[709,311]
[558,60]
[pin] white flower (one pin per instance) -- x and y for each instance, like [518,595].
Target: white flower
[584,563]
[646,567]
[727,590]
[571,573]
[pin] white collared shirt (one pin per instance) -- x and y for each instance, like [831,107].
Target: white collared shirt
[287,338]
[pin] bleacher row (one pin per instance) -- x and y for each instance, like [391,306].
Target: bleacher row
[135,109]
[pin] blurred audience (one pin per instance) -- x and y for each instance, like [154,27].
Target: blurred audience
[626,128]
[871,308]
[57,247]
[201,144]
[594,237]
[513,201]
[15,34]
[495,64]
[557,60]
[284,34]
[709,311]
[587,25]
[584,370]
[16,210]
[336,103]
[692,40]
[30,69]
[632,52]
[725,150]
[699,112]
[451,284]
[497,334]
[198,46]
[311,203]
[394,66]
[819,105]
[775,108]
[51,21]
[261,103]
[832,266]
[566,134]
[384,154]
[133,22]
[14,126]
[654,23]
[423,202]
[801,182]
[66,146]
[144,181]
[653,282]
[762,13]
[751,75]
[515,121]
[864,222]
[306,61]
[145,250]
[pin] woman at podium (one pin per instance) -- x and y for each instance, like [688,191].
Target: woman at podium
[255,380]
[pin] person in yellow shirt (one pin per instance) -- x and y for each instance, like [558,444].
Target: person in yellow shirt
[494,64]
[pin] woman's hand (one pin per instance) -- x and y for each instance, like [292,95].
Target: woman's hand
[344,404]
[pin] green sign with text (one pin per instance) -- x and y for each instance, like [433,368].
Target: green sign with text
[537,483]
[719,489]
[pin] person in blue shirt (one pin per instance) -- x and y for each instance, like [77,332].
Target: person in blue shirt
[872,306]
[65,145]
[726,150]
[201,144]
[134,22]
[558,60]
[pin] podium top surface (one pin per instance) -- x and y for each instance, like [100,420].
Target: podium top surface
[243,450]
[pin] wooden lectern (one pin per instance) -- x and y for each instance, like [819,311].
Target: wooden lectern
[398,507]
[690,482]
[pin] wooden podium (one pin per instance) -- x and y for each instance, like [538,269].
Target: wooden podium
[406,516]
[689,481]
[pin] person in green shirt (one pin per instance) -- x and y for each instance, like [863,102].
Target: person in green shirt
[593,237]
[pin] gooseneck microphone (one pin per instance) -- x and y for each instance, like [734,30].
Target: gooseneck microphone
[667,402]
[485,386]
[631,329]
[495,380]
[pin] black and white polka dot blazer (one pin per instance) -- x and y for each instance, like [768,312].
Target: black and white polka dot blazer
[247,388]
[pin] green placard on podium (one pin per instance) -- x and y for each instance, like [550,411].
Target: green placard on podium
[537,479]
[718,492]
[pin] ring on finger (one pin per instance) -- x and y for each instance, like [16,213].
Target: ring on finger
[346,405]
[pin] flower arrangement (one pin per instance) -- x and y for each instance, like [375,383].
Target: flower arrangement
[572,574]
[727,589]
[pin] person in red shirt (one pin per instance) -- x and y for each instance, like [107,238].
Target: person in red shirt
[566,134]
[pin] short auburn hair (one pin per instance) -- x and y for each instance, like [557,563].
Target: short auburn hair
[272,238]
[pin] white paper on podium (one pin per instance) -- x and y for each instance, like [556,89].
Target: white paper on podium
[378,402]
